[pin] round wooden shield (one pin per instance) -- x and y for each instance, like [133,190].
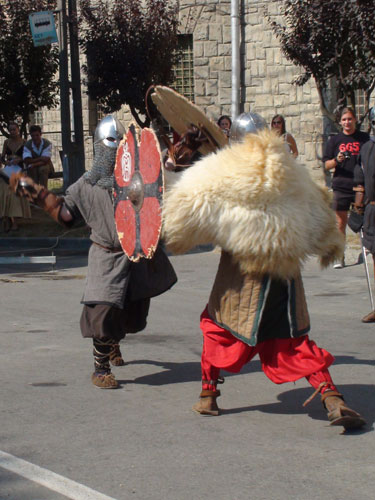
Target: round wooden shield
[138,194]
[180,113]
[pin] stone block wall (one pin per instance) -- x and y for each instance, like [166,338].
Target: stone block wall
[266,77]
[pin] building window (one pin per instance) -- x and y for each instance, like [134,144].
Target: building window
[360,107]
[38,118]
[184,70]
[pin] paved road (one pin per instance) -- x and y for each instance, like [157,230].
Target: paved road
[142,441]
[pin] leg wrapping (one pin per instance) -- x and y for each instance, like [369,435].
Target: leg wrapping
[101,352]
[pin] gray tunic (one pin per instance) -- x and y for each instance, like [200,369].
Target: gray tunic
[108,272]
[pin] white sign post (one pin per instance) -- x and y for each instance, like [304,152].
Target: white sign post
[43,28]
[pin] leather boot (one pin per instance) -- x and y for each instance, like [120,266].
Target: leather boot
[369,318]
[104,380]
[115,356]
[339,413]
[207,403]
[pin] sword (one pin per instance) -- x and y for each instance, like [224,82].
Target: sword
[366,270]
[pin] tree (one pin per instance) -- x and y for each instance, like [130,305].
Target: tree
[332,41]
[27,74]
[129,45]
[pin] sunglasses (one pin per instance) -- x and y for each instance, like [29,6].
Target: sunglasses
[277,123]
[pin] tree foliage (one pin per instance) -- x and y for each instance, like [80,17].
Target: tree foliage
[27,73]
[129,45]
[331,40]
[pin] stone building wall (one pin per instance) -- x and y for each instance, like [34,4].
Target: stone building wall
[266,78]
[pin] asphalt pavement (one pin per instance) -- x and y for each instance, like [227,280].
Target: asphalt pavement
[60,437]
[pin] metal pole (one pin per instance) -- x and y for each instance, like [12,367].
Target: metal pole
[235,29]
[77,165]
[64,79]
[367,271]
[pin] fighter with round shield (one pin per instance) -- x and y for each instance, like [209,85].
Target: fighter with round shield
[117,294]
[197,134]
[262,208]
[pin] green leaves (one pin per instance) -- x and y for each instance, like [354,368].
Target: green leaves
[129,45]
[27,74]
[330,40]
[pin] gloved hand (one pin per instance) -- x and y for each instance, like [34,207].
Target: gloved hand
[360,209]
[24,186]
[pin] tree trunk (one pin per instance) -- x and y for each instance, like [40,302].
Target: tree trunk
[135,114]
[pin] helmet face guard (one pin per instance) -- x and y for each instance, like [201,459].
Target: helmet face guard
[109,132]
[246,123]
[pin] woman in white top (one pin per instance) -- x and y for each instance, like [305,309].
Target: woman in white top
[278,125]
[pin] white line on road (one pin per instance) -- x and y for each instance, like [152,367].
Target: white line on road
[49,479]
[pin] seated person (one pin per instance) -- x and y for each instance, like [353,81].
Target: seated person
[37,156]
[11,206]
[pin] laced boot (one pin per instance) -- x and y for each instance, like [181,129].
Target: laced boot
[102,376]
[339,413]
[207,403]
[104,380]
[369,318]
[115,356]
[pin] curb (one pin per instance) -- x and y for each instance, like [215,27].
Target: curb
[57,246]
[61,246]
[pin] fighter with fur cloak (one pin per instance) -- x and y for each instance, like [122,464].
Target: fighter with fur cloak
[266,213]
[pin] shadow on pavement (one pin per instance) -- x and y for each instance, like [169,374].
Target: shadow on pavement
[358,397]
[175,373]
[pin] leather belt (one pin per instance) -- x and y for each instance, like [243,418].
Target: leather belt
[112,250]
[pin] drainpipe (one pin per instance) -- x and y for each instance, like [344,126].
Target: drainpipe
[235,31]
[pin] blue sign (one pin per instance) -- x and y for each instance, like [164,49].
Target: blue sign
[43,29]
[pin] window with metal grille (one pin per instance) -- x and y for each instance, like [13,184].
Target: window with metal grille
[38,118]
[360,107]
[184,70]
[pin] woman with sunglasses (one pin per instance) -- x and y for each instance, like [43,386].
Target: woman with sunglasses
[340,155]
[278,125]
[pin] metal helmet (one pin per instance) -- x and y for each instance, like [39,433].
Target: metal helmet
[246,123]
[371,117]
[108,135]
[109,131]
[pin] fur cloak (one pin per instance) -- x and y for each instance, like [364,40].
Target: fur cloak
[258,203]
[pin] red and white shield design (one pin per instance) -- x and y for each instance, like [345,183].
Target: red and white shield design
[138,194]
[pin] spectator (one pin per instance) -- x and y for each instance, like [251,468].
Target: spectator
[225,124]
[13,147]
[278,125]
[12,206]
[340,155]
[364,187]
[37,156]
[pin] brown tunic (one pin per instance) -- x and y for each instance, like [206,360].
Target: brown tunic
[254,307]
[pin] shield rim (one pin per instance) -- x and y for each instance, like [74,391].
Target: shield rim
[180,113]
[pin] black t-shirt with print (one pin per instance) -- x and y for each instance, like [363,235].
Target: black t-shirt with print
[343,173]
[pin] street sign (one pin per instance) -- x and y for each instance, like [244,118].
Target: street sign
[43,28]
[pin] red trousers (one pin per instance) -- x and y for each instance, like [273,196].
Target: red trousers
[283,360]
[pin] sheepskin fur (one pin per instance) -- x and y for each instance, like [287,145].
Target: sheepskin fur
[257,202]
